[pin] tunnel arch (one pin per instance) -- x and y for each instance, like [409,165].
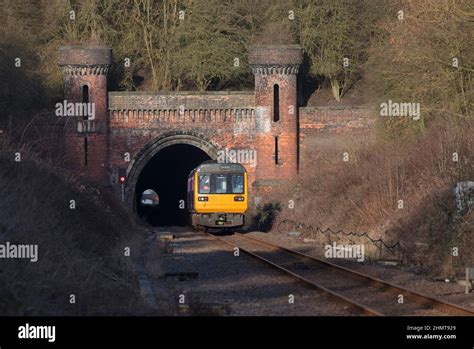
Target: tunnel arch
[153,148]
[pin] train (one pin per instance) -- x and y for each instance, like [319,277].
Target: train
[217,195]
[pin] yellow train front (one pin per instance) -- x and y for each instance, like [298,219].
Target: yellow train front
[217,195]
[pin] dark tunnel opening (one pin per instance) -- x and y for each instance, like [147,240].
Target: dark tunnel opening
[167,174]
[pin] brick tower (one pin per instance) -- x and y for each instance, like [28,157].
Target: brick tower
[276,68]
[85,83]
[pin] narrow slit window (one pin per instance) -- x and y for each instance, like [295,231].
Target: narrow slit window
[276,150]
[85,98]
[85,94]
[276,103]
[85,151]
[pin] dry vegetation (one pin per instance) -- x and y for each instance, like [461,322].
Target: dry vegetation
[362,194]
[413,57]
[406,61]
[81,251]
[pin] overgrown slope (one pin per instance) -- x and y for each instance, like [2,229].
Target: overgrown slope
[81,250]
[398,191]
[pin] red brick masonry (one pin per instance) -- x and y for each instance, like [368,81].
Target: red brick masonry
[140,124]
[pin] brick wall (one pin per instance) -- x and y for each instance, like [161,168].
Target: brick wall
[276,67]
[123,141]
[176,100]
[86,66]
[139,110]
[331,130]
[282,132]
[318,120]
[138,119]
[132,122]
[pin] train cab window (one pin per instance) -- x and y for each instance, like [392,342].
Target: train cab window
[237,184]
[204,184]
[221,184]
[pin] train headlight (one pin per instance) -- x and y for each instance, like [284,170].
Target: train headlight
[239,198]
[203,198]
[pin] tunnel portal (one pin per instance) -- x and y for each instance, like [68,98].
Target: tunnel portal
[166,174]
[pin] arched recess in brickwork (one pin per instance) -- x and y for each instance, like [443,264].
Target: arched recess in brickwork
[154,147]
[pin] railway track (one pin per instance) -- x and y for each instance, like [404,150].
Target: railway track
[363,294]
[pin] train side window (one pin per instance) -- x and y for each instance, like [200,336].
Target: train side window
[221,184]
[237,184]
[204,184]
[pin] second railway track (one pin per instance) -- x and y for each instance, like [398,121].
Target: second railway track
[364,294]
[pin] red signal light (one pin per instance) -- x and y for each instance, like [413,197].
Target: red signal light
[122,175]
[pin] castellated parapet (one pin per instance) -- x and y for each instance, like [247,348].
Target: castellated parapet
[275,59]
[81,60]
